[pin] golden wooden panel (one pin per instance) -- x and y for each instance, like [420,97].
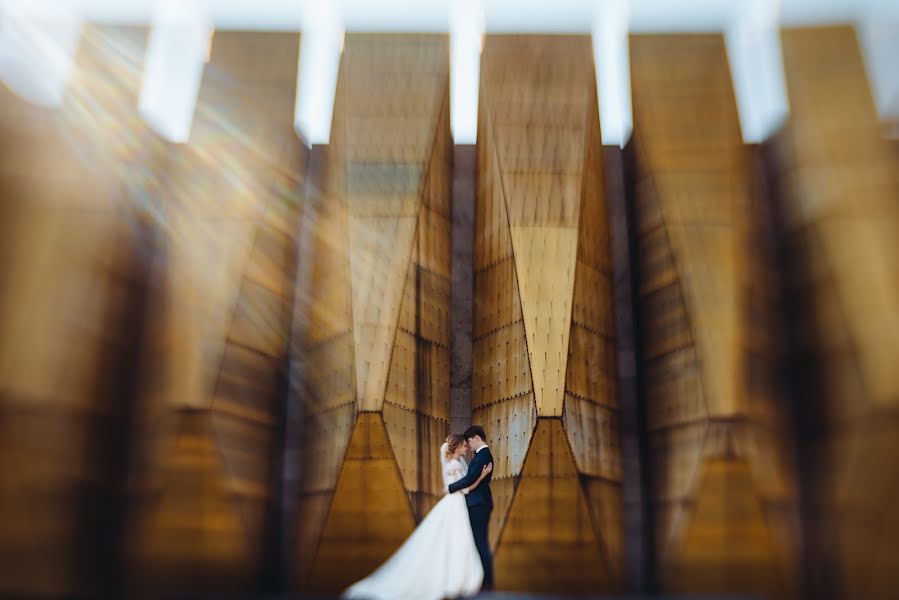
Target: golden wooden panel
[548,542]
[192,518]
[331,375]
[247,385]
[433,249]
[534,198]
[509,425]
[232,209]
[496,298]
[420,357]
[593,434]
[384,236]
[493,242]
[543,329]
[75,262]
[592,303]
[838,189]
[380,253]
[411,435]
[594,245]
[604,502]
[674,389]
[312,510]
[261,319]
[545,261]
[419,377]
[503,490]
[394,85]
[325,436]
[370,514]
[501,368]
[711,339]
[271,261]
[716,323]
[329,302]
[728,543]
[533,77]
[591,366]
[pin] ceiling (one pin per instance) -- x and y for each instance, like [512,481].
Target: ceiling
[554,16]
[38,38]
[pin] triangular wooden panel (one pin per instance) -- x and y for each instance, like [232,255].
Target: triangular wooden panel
[503,491]
[604,501]
[380,256]
[246,450]
[727,546]
[330,303]
[192,531]
[711,289]
[370,515]
[492,243]
[207,262]
[548,542]
[312,511]
[594,245]
[416,438]
[678,453]
[328,432]
[545,264]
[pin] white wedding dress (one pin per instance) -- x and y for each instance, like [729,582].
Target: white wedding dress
[439,560]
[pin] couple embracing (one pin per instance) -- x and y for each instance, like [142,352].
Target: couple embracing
[448,554]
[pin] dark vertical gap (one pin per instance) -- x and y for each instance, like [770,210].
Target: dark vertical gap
[647,571]
[282,533]
[272,574]
[462,286]
[619,247]
[794,374]
[102,505]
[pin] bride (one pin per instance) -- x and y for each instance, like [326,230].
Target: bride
[439,560]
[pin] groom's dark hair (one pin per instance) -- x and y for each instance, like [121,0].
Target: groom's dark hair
[475,430]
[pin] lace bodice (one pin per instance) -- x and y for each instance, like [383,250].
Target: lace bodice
[454,471]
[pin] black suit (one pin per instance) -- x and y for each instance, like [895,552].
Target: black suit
[480,505]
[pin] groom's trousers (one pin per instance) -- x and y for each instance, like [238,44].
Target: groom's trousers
[480,520]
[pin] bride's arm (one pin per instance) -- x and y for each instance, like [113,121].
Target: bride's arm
[484,472]
[466,481]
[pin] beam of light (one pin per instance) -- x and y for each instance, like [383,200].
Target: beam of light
[37,46]
[177,51]
[611,57]
[753,51]
[321,44]
[466,39]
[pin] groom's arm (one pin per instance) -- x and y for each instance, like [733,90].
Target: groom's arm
[474,471]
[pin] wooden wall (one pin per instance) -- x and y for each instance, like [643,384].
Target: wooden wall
[544,359]
[213,393]
[75,251]
[720,455]
[377,341]
[840,220]
[148,291]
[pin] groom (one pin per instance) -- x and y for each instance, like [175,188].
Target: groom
[479,500]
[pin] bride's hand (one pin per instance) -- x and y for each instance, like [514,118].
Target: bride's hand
[487,469]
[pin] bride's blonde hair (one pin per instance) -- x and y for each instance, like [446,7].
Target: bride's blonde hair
[453,441]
